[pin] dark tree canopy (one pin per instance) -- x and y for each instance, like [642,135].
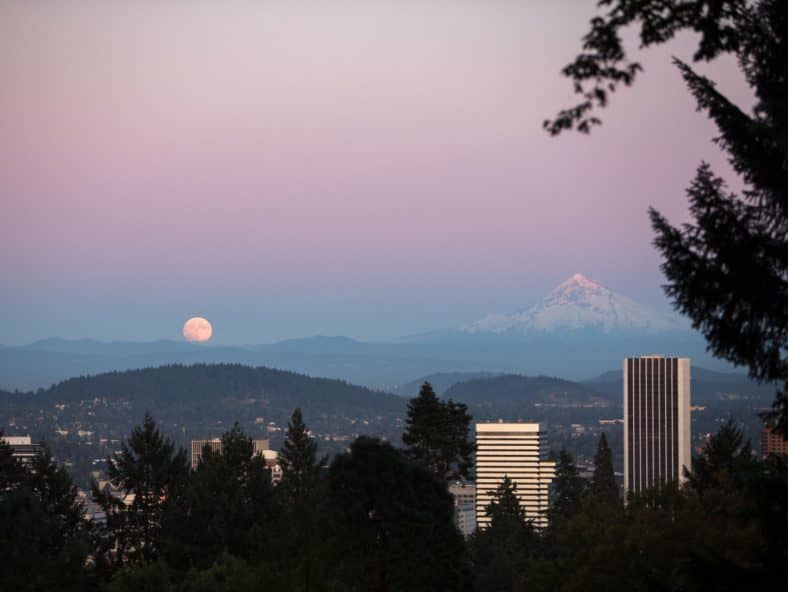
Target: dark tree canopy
[226,507]
[45,540]
[149,468]
[437,434]
[298,459]
[500,553]
[504,508]
[568,488]
[395,528]
[300,494]
[727,270]
[603,484]
[603,65]
[380,521]
[726,456]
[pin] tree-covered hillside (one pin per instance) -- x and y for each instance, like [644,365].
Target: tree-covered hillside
[84,418]
[200,383]
[514,390]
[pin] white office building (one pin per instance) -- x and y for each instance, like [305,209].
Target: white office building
[519,451]
[656,421]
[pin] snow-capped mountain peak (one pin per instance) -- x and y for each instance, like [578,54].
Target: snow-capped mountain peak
[578,304]
[578,286]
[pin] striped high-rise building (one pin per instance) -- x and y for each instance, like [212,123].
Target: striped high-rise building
[215,444]
[656,421]
[519,451]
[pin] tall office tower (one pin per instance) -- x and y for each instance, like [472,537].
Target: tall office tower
[519,451]
[656,421]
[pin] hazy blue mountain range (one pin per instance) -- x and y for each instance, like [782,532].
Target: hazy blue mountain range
[579,329]
[376,365]
[515,390]
[441,382]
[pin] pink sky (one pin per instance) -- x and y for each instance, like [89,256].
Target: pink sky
[289,168]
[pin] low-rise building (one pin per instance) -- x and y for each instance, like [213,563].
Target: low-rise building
[22,447]
[773,443]
[464,496]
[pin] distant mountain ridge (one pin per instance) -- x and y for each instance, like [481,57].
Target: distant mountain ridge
[515,390]
[579,329]
[440,382]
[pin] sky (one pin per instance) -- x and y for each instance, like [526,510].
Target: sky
[289,168]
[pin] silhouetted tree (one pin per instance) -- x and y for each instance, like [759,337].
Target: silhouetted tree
[44,539]
[568,488]
[729,535]
[394,525]
[298,459]
[150,577]
[725,458]
[500,553]
[228,574]
[603,483]
[227,507]
[299,494]
[153,473]
[728,269]
[437,434]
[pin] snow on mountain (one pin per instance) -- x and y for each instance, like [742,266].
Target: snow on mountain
[579,303]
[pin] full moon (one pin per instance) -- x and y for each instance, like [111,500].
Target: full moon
[197,329]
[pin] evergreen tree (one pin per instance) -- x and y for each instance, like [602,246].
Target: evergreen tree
[228,574]
[150,470]
[437,435]
[568,488]
[299,494]
[500,553]
[298,459]
[394,523]
[726,459]
[728,269]
[505,509]
[603,483]
[226,507]
[44,539]
[151,577]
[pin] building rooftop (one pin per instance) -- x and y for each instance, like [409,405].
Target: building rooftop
[509,427]
[17,440]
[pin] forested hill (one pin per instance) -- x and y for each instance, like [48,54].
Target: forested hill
[84,419]
[202,383]
[514,390]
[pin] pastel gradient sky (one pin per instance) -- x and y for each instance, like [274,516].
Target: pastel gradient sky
[296,167]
